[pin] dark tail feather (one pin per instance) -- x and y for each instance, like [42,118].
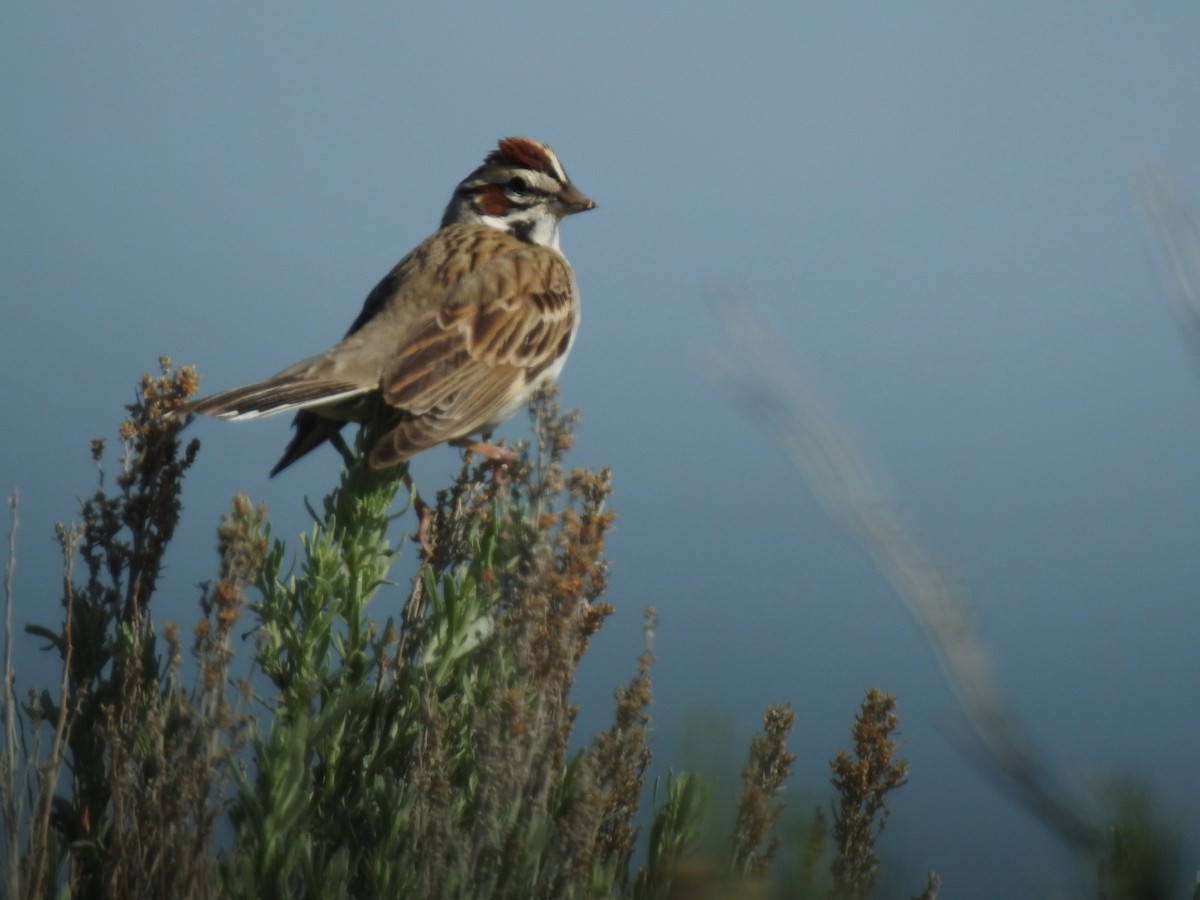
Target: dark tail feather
[311,432]
[269,397]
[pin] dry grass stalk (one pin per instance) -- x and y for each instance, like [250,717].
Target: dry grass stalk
[763,779]
[863,782]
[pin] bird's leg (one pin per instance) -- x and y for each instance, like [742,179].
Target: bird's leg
[343,448]
[425,517]
[498,459]
[498,456]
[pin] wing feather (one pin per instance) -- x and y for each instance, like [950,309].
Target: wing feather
[468,366]
[277,395]
[482,401]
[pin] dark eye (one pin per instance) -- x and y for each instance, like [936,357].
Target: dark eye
[517,185]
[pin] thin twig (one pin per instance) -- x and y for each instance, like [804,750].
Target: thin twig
[9,788]
[49,771]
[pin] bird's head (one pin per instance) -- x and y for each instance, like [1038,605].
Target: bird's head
[522,189]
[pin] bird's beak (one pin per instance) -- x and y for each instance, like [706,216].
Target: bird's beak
[571,201]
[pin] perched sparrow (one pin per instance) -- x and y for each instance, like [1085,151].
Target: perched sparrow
[458,335]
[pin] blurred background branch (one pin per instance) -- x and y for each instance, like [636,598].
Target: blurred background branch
[757,374]
[1172,236]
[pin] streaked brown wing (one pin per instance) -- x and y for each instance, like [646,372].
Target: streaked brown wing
[490,401]
[516,312]
[469,365]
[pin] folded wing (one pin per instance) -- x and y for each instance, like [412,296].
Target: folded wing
[472,364]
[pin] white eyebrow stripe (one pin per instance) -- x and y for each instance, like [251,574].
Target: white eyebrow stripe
[555,165]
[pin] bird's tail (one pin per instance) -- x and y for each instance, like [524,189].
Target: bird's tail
[311,432]
[266,398]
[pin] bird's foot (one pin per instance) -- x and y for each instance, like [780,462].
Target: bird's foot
[499,457]
[425,518]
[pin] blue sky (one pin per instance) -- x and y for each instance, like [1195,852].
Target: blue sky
[930,200]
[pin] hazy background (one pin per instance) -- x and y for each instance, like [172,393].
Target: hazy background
[930,199]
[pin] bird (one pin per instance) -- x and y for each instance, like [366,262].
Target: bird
[457,337]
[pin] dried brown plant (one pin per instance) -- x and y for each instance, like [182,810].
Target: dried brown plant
[933,884]
[619,757]
[425,757]
[145,758]
[763,779]
[863,782]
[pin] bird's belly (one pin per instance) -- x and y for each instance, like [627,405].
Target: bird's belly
[522,395]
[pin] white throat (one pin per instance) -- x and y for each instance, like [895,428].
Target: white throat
[536,225]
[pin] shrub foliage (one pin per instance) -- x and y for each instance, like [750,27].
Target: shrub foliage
[375,741]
